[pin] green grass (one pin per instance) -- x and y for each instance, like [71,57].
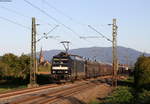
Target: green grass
[8,87]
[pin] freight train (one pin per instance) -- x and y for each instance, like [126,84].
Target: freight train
[67,67]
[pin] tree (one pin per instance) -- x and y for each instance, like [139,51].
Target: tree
[13,62]
[142,72]
[4,70]
[24,62]
[16,66]
[141,76]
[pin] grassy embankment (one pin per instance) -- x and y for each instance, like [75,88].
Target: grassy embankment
[7,84]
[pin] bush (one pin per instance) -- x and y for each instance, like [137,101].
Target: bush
[122,95]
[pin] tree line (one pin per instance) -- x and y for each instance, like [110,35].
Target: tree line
[14,66]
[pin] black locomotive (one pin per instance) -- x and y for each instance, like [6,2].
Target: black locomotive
[72,67]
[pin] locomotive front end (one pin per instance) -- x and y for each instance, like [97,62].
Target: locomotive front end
[60,67]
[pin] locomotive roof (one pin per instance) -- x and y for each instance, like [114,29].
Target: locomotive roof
[76,57]
[61,54]
[71,56]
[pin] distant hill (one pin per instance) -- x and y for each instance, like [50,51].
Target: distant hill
[103,54]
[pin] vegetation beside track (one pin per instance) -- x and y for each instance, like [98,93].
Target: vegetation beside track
[4,88]
[11,84]
[134,90]
[14,72]
[125,95]
[121,95]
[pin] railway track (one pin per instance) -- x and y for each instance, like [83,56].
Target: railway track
[6,97]
[49,94]
[25,91]
[46,94]
[65,94]
[52,96]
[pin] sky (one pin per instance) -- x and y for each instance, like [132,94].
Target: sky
[73,18]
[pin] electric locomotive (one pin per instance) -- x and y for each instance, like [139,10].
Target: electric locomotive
[67,67]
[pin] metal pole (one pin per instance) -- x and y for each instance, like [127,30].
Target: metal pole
[33,67]
[114,49]
[114,53]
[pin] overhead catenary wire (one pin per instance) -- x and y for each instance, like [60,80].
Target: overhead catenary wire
[67,16]
[16,23]
[51,30]
[23,26]
[53,18]
[103,36]
[45,34]
[21,14]
[57,10]
[82,37]
[62,13]
[28,17]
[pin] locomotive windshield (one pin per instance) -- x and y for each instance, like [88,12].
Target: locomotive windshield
[60,61]
[60,64]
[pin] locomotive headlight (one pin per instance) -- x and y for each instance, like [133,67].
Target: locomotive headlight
[54,71]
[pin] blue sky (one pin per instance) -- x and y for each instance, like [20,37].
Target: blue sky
[133,20]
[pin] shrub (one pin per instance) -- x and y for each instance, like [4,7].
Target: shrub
[122,95]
